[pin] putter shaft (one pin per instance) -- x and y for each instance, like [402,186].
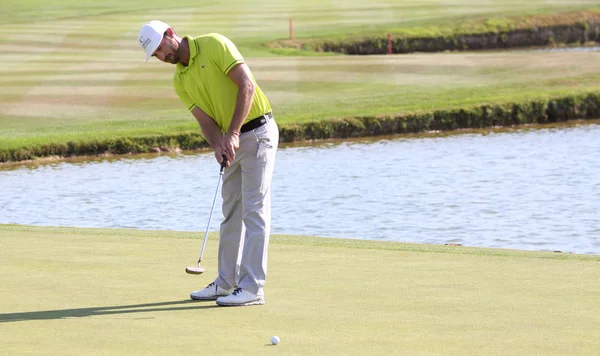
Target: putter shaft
[223,165]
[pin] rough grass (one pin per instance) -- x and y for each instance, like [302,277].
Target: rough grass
[99,291]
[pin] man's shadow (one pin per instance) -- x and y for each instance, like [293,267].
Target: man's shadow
[96,311]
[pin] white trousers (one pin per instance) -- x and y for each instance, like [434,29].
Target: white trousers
[246,192]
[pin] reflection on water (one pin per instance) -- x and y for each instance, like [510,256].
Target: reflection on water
[536,190]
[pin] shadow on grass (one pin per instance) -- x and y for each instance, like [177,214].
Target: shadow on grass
[96,311]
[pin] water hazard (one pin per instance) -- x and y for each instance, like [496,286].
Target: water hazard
[529,189]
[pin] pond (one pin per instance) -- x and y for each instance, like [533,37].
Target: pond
[522,189]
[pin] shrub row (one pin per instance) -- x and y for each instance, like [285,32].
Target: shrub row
[573,107]
[109,146]
[546,110]
[581,32]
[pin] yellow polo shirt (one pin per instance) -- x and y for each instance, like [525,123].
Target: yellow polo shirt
[204,82]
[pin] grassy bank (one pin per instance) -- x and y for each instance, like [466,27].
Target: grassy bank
[121,292]
[570,28]
[73,80]
[535,111]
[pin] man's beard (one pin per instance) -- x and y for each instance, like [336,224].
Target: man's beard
[173,58]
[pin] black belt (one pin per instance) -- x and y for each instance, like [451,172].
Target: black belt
[256,123]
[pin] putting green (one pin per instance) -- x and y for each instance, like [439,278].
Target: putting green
[74,291]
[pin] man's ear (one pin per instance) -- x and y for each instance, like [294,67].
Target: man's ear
[169,32]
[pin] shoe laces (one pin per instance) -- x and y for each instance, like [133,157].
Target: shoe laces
[237,291]
[210,285]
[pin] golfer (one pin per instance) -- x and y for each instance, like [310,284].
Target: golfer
[216,86]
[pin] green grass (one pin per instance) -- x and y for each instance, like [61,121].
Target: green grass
[72,70]
[120,292]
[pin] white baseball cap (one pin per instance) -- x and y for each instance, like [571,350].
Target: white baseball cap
[150,36]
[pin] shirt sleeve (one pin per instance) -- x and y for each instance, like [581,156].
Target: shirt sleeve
[182,94]
[224,53]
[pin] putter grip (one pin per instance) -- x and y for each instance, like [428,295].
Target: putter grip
[223,163]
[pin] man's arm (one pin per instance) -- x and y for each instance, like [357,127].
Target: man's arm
[211,131]
[240,75]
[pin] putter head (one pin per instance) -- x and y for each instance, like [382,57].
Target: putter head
[194,270]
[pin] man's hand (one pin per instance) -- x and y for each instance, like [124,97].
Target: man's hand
[229,144]
[219,156]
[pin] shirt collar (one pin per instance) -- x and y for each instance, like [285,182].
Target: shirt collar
[193,53]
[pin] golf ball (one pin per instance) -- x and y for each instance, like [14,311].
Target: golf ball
[275,340]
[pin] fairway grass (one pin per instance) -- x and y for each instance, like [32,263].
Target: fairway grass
[75,291]
[73,72]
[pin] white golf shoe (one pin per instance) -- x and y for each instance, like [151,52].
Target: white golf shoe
[211,292]
[241,297]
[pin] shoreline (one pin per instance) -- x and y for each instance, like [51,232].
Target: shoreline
[40,161]
[487,116]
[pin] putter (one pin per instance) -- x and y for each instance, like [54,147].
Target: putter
[198,269]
